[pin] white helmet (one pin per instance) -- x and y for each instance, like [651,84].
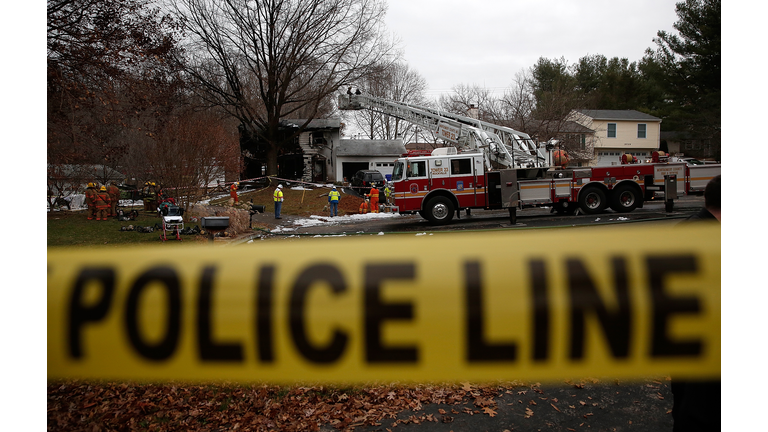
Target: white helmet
[279,186]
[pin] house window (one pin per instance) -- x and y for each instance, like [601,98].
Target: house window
[611,130]
[641,127]
[583,141]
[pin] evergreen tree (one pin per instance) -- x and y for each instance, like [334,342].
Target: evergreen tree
[686,67]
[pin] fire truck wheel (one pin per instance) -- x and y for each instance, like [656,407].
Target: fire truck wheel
[439,210]
[625,199]
[593,201]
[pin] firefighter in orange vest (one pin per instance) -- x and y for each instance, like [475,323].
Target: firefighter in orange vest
[102,204]
[374,196]
[114,198]
[233,191]
[364,207]
[90,198]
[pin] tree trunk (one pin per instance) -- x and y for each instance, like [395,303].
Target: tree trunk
[272,160]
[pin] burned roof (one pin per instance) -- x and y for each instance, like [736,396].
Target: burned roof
[314,124]
[352,147]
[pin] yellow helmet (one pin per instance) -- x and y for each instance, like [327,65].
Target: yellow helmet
[103,189]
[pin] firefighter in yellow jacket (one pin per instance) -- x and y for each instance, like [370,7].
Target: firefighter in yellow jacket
[333,199]
[90,200]
[102,202]
[278,196]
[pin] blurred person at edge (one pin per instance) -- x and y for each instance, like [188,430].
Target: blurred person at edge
[696,403]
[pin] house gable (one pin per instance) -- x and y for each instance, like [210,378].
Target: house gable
[620,131]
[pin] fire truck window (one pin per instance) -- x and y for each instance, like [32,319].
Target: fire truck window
[418,169]
[397,172]
[461,166]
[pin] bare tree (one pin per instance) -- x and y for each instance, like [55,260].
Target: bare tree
[466,98]
[187,152]
[101,56]
[395,82]
[517,105]
[268,59]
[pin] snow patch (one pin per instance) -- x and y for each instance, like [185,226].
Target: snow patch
[316,220]
[281,229]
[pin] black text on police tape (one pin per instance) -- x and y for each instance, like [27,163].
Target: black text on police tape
[583,299]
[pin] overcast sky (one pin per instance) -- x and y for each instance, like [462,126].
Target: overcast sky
[487,42]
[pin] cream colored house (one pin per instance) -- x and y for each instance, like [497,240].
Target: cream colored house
[617,132]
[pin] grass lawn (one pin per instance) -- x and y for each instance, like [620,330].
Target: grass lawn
[71,228]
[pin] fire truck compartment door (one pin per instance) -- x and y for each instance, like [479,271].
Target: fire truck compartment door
[510,191]
[677,170]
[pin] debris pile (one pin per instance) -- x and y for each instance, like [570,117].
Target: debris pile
[349,204]
[238,218]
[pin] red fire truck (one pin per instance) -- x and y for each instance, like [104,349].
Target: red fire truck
[499,168]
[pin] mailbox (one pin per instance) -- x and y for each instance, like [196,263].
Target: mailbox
[215,223]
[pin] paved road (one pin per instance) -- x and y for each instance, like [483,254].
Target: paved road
[641,406]
[487,220]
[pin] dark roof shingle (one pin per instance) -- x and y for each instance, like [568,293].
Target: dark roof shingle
[617,115]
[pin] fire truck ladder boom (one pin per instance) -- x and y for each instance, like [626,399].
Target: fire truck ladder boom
[501,146]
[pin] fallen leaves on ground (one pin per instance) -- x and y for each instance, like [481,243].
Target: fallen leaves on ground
[101,406]
[75,405]
[489,411]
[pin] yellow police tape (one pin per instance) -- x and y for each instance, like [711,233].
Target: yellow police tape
[536,305]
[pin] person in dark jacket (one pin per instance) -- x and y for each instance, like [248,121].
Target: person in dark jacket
[711,210]
[696,404]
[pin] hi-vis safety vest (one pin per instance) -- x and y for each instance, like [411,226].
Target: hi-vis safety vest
[334,195]
[278,195]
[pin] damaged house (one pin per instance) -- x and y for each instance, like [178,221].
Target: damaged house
[319,155]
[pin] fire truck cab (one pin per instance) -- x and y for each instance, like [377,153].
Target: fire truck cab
[437,186]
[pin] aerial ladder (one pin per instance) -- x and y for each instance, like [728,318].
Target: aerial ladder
[502,147]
